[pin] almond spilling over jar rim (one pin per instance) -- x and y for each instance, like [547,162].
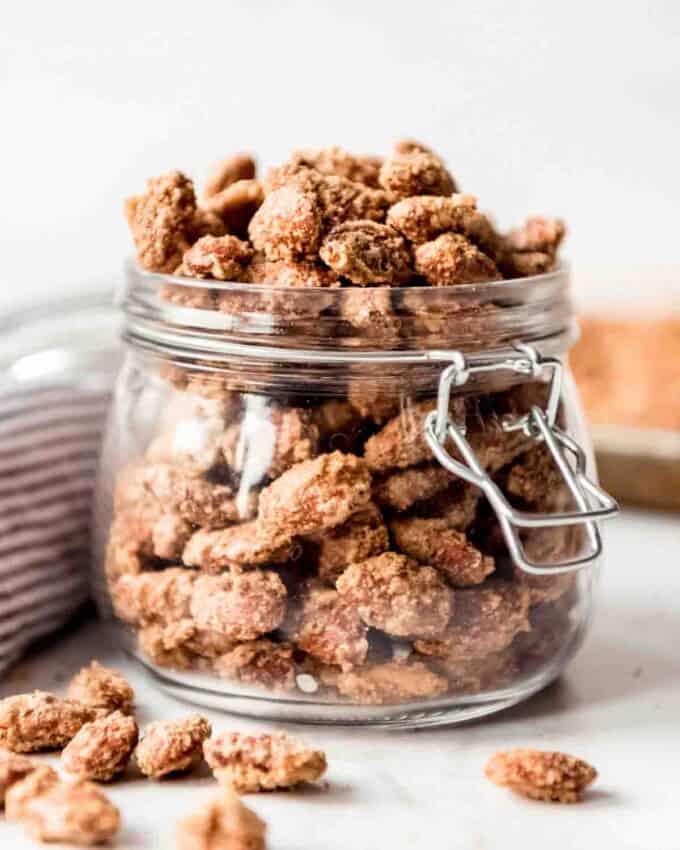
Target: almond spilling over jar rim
[334,487]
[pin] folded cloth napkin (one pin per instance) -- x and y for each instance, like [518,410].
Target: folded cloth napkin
[51,426]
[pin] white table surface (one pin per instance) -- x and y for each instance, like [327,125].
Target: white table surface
[618,706]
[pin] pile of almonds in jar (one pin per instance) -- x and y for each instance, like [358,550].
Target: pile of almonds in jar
[312,544]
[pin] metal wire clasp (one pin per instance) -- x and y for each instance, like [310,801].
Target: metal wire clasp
[592,502]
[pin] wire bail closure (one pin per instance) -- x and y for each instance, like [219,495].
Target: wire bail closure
[593,503]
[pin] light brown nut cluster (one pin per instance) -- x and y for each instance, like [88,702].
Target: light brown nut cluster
[532,248]
[172,746]
[425,217]
[238,166]
[217,257]
[245,545]
[24,790]
[154,597]
[334,161]
[401,443]
[170,534]
[537,481]
[235,206]
[366,252]
[288,225]
[485,620]
[400,490]
[166,646]
[292,275]
[457,505]
[262,663]
[78,813]
[315,495]
[362,536]
[102,748]
[397,595]
[223,824]
[40,721]
[415,172]
[540,775]
[329,628]
[252,763]
[282,436]
[101,687]
[391,682]
[13,768]
[160,221]
[239,606]
[433,541]
[451,259]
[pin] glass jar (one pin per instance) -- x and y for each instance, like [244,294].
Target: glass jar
[362,506]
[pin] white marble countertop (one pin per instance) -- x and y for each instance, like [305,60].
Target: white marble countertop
[618,706]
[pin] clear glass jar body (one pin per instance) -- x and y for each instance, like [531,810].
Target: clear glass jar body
[278,540]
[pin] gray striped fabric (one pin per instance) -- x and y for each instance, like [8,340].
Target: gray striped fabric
[49,444]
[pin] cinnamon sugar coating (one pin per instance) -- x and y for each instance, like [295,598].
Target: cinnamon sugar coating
[537,234]
[259,662]
[172,746]
[315,495]
[425,217]
[540,775]
[223,824]
[154,597]
[290,274]
[264,762]
[402,489]
[329,628]
[485,620]
[452,259]
[170,534]
[457,505]
[288,225]
[397,595]
[244,545]
[78,813]
[161,219]
[401,443]
[166,645]
[391,682]
[366,252]
[13,768]
[415,172]
[102,748]
[217,257]
[101,687]
[239,606]
[40,721]
[537,481]
[433,541]
[337,162]
[362,536]
[238,166]
[20,793]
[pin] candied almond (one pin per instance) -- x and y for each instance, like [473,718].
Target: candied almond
[101,687]
[363,535]
[315,495]
[166,646]
[291,274]
[24,790]
[160,220]
[102,748]
[244,545]
[366,252]
[452,259]
[485,620]
[537,234]
[259,662]
[171,746]
[541,775]
[235,206]
[328,628]
[391,682]
[223,824]
[415,172]
[402,489]
[239,606]
[154,597]
[170,534]
[288,224]
[216,257]
[40,721]
[74,813]
[433,541]
[262,762]
[338,162]
[237,166]
[398,595]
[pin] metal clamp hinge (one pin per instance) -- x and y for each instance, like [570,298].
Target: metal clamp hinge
[592,502]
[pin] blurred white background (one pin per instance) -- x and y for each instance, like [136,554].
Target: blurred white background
[568,109]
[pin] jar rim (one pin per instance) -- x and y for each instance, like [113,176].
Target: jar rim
[274,322]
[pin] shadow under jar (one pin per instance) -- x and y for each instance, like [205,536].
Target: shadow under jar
[359,506]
